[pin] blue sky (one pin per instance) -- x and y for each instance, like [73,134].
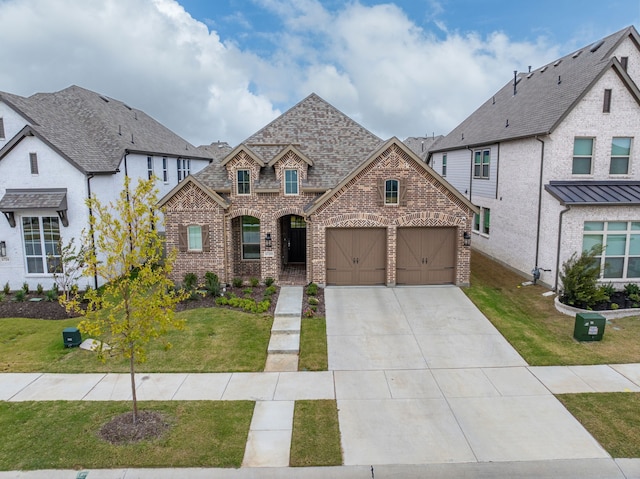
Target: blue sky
[220,70]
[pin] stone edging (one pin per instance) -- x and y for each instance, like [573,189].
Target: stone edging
[608,314]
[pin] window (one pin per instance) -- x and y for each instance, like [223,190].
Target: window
[606,105]
[620,152]
[290,182]
[165,169]
[244,183]
[621,240]
[624,61]
[444,165]
[194,238]
[582,155]
[250,237]
[1,127]
[33,163]
[149,167]
[476,222]
[486,220]
[391,192]
[481,159]
[41,248]
[184,168]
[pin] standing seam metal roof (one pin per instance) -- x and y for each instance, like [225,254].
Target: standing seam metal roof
[595,192]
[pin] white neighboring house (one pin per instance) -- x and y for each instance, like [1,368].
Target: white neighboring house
[553,163]
[58,148]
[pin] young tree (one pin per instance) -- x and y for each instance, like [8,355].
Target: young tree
[68,266]
[136,304]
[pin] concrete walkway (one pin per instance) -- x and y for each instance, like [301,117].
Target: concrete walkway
[421,379]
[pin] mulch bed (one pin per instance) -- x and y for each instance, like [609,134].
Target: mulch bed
[9,308]
[122,430]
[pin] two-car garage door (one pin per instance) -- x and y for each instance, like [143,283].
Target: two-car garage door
[358,256]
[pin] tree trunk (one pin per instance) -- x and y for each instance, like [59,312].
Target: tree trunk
[133,387]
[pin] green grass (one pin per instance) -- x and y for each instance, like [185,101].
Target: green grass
[214,340]
[612,419]
[63,435]
[531,323]
[316,435]
[313,345]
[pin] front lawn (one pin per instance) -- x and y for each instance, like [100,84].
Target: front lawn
[531,323]
[313,345]
[214,340]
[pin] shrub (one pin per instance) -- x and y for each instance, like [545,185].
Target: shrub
[20,295]
[25,287]
[7,288]
[308,313]
[312,289]
[52,295]
[237,282]
[212,283]
[579,278]
[246,304]
[269,291]
[607,290]
[190,281]
[631,288]
[268,281]
[39,289]
[248,291]
[313,301]
[1,296]
[614,306]
[254,282]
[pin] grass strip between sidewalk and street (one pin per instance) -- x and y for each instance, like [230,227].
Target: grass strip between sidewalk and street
[611,418]
[316,435]
[536,329]
[64,435]
[213,340]
[313,345]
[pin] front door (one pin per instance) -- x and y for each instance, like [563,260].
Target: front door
[294,235]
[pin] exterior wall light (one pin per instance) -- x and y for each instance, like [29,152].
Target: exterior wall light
[267,241]
[467,238]
[3,249]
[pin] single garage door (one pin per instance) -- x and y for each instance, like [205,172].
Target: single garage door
[426,256]
[356,256]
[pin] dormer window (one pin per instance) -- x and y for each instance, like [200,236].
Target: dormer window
[391,192]
[244,182]
[290,182]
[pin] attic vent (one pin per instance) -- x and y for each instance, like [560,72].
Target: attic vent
[103,98]
[557,63]
[127,106]
[530,75]
[576,54]
[595,46]
[543,68]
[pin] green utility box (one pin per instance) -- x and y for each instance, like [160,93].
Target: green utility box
[589,327]
[71,337]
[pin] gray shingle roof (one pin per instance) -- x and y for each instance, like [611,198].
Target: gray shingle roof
[543,97]
[94,131]
[421,145]
[54,198]
[595,192]
[335,144]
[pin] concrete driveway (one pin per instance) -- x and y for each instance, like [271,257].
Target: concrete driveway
[421,376]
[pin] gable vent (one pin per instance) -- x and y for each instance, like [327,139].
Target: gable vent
[595,46]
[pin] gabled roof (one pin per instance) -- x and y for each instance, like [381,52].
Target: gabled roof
[589,193]
[374,155]
[421,145]
[93,131]
[543,97]
[192,180]
[325,136]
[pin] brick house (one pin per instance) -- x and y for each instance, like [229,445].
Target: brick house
[551,161]
[316,191]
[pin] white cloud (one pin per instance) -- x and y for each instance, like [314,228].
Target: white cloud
[374,63]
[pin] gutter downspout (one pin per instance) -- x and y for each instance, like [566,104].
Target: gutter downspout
[555,287]
[93,239]
[540,187]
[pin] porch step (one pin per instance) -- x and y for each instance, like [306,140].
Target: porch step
[286,324]
[284,343]
[289,302]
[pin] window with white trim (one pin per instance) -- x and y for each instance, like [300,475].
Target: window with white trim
[391,192]
[620,257]
[582,156]
[444,165]
[250,237]
[194,238]
[41,244]
[476,222]
[184,168]
[486,220]
[620,153]
[149,167]
[290,182]
[481,163]
[165,169]
[243,183]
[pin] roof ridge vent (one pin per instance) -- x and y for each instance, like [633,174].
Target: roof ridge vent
[576,54]
[596,45]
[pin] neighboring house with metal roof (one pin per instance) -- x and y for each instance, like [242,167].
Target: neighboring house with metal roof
[314,190]
[552,161]
[58,148]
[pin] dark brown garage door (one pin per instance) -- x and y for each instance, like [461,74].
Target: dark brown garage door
[356,256]
[426,256]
